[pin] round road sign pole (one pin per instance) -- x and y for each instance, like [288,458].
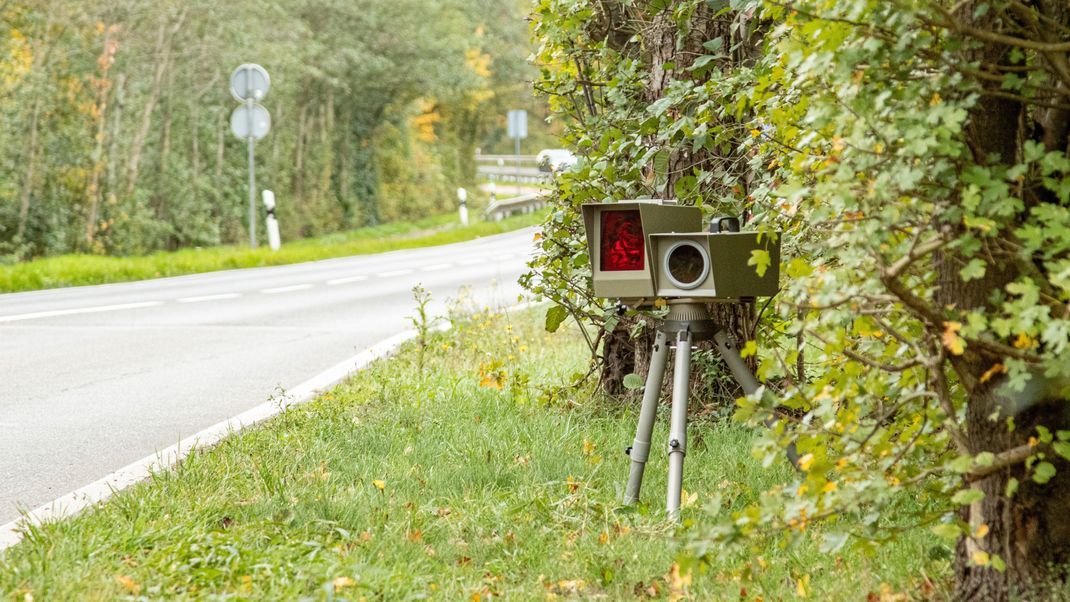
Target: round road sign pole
[252,171]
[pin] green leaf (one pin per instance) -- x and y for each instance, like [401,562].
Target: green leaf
[760,259]
[984,459]
[633,382]
[1043,472]
[1062,448]
[965,497]
[974,270]
[947,530]
[1012,488]
[554,317]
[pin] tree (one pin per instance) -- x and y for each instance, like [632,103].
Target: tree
[619,71]
[915,156]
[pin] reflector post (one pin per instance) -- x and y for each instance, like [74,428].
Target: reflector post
[623,246]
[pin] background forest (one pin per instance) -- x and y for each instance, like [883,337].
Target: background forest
[114,134]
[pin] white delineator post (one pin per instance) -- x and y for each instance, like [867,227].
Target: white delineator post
[271,222]
[462,196]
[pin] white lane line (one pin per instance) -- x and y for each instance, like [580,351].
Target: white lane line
[286,289]
[505,257]
[394,273]
[209,298]
[437,267]
[79,310]
[473,261]
[338,281]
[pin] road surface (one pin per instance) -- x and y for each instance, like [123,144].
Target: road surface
[95,378]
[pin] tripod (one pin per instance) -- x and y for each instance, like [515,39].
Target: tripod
[687,322]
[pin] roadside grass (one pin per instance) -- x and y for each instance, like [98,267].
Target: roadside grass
[465,481]
[79,270]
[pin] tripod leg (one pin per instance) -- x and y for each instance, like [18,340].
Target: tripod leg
[678,424]
[640,449]
[746,379]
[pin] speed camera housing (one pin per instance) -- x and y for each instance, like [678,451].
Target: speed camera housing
[618,243]
[643,250]
[714,265]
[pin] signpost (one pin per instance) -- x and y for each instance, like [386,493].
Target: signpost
[249,84]
[518,129]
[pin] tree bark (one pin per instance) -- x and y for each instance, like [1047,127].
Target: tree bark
[1028,530]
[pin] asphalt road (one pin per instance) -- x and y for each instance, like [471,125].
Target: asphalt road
[94,378]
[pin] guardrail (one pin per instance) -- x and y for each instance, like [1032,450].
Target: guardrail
[525,203]
[506,159]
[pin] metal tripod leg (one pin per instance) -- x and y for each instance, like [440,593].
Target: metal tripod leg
[678,423]
[640,449]
[746,379]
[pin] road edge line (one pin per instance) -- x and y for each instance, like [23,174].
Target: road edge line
[101,490]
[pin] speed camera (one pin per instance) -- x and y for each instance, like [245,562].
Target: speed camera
[714,265]
[643,250]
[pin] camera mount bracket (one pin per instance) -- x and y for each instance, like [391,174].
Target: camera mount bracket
[687,322]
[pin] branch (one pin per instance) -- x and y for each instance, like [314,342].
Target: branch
[1004,459]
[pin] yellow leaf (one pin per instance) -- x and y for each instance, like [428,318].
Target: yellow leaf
[1023,341]
[935,100]
[981,531]
[829,487]
[588,447]
[994,370]
[342,582]
[980,558]
[806,462]
[129,584]
[952,341]
[603,538]
[687,499]
[380,485]
[802,586]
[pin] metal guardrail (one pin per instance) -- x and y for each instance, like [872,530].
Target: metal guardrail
[525,203]
[507,159]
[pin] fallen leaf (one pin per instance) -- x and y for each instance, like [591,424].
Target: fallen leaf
[380,485]
[340,583]
[951,339]
[129,584]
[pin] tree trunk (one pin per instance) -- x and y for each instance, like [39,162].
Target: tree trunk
[670,54]
[1028,530]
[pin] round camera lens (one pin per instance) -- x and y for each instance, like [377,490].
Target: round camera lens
[687,265]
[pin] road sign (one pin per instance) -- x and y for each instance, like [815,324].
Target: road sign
[254,122]
[518,124]
[249,82]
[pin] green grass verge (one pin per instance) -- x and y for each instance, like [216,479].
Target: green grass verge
[78,270]
[401,486]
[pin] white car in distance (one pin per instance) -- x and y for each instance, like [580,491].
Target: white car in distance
[554,160]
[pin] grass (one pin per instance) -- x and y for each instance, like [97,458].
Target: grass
[458,483]
[78,270]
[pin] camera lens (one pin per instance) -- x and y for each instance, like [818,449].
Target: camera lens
[687,264]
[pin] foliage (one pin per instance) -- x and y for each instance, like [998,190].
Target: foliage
[915,156]
[81,270]
[392,487]
[114,116]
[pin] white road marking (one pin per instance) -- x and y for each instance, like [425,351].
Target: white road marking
[79,310]
[338,281]
[394,273]
[505,257]
[437,267]
[99,491]
[473,261]
[286,289]
[209,298]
